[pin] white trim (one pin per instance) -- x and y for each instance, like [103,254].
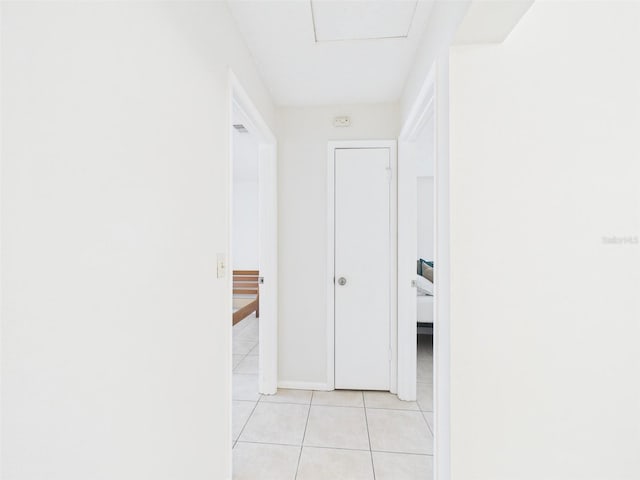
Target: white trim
[323,387]
[393,151]
[268,224]
[431,102]
[421,112]
[242,99]
[407,253]
[393,257]
[229,280]
[268,354]
[331,172]
[442,284]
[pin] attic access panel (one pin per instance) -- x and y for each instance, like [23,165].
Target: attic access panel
[362,20]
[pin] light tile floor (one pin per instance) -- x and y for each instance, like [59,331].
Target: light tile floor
[339,435]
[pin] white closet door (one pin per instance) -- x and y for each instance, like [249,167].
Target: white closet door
[362,268]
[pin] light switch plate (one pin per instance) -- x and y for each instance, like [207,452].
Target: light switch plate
[222,265]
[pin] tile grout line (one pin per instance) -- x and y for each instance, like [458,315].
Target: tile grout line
[345,406]
[244,355]
[427,422]
[235,442]
[253,442]
[366,421]
[304,434]
[239,333]
[247,422]
[233,370]
[429,382]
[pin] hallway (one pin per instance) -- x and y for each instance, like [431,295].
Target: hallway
[308,435]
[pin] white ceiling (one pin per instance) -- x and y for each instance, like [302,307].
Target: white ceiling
[363,52]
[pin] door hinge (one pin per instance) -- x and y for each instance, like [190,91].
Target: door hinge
[261,280]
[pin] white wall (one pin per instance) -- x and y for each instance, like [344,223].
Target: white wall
[115,330]
[302,180]
[545,319]
[426,220]
[245,224]
[425,148]
[443,23]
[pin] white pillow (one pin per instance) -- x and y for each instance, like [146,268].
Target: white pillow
[425,287]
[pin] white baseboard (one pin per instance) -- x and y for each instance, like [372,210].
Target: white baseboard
[304,386]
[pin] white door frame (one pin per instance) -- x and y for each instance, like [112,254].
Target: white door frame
[267,165]
[419,116]
[433,100]
[392,146]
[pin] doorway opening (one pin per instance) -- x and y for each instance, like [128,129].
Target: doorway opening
[424,260]
[245,264]
[252,272]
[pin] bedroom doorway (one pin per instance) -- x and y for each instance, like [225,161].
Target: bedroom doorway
[424,295]
[245,263]
[252,272]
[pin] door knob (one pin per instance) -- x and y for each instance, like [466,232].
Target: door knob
[342,281]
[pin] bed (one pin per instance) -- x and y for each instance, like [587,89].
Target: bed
[425,290]
[246,294]
[425,314]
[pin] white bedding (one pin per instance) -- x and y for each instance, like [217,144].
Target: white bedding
[424,285]
[425,309]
